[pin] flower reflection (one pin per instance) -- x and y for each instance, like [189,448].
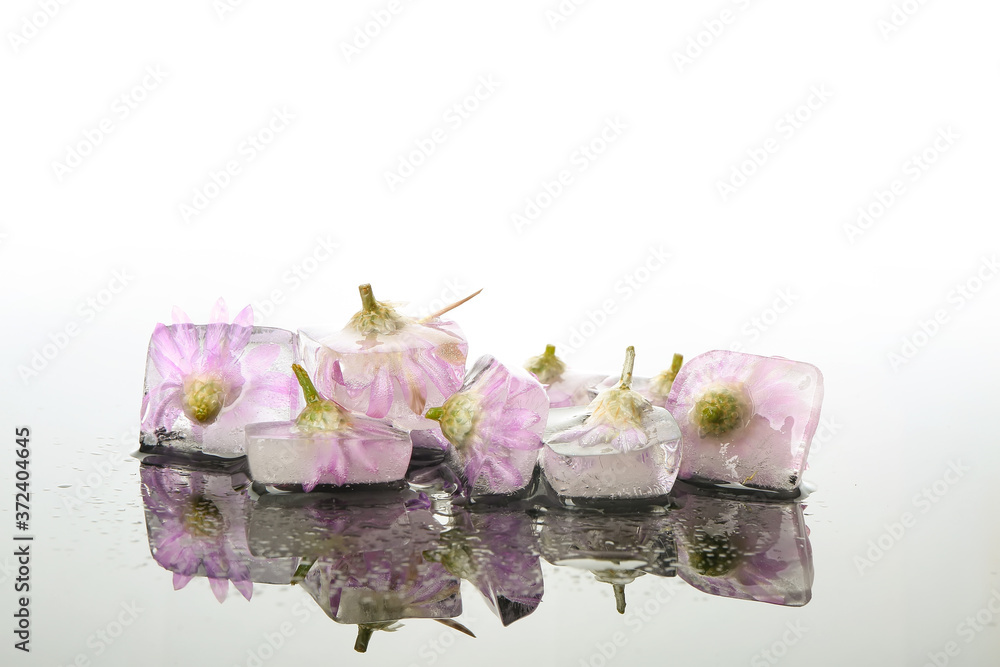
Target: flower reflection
[741,549]
[196,523]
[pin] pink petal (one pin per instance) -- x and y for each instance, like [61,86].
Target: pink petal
[179,316]
[220,313]
[220,587]
[181,580]
[244,319]
[244,586]
[380,398]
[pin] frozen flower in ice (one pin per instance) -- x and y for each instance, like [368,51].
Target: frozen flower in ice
[564,388]
[618,447]
[746,419]
[197,527]
[326,444]
[494,421]
[211,378]
[386,364]
[616,416]
[655,389]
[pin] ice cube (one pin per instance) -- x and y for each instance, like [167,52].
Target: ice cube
[205,383]
[368,452]
[618,447]
[494,423]
[384,364]
[747,420]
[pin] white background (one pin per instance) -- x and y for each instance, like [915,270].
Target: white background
[856,297]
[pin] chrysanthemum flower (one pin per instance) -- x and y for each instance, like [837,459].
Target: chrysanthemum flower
[620,446]
[747,420]
[196,523]
[494,422]
[326,444]
[204,383]
[385,364]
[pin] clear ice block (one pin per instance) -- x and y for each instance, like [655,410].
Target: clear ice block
[494,423]
[619,447]
[204,383]
[326,445]
[747,420]
[196,521]
[384,364]
[747,550]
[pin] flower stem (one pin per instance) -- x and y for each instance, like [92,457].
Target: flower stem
[626,382]
[452,307]
[435,413]
[620,596]
[550,351]
[368,302]
[365,633]
[675,366]
[308,388]
[302,570]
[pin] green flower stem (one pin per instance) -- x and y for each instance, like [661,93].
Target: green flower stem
[368,302]
[675,366]
[626,382]
[435,413]
[302,570]
[308,388]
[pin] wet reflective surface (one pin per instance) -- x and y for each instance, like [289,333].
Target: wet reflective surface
[383,559]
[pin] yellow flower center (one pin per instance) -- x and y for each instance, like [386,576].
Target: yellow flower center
[721,409]
[460,414]
[204,397]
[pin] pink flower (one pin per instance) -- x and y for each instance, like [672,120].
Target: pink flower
[385,364]
[326,444]
[746,419]
[495,423]
[197,527]
[210,378]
